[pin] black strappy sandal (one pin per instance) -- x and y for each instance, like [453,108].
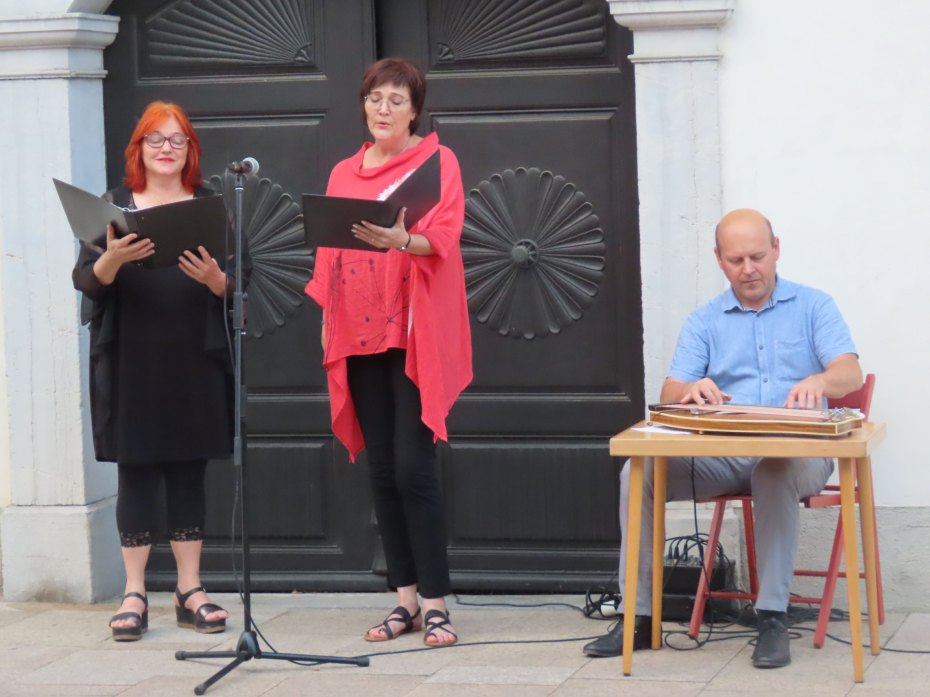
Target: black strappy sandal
[398,614]
[197,620]
[135,632]
[438,620]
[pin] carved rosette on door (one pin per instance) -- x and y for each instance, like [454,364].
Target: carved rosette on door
[281,261]
[534,253]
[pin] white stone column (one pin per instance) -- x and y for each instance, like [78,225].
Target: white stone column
[678,158]
[57,534]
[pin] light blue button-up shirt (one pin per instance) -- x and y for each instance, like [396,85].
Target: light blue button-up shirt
[758,356]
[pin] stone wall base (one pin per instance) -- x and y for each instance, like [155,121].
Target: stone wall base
[61,553]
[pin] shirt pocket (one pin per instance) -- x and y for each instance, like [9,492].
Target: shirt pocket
[794,360]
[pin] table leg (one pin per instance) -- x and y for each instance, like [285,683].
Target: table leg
[632,560]
[867,518]
[848,511]
[660,480]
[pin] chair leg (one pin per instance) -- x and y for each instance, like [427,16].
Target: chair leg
[710,554]
[750,528]
[833,572]
[829,585]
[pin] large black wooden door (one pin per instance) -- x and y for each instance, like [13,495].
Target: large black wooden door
[535,98]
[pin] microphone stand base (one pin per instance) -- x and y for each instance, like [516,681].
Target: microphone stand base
[247,648]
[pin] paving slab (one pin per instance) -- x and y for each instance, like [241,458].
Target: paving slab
[62,650]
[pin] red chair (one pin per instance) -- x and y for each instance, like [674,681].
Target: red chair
[861,399]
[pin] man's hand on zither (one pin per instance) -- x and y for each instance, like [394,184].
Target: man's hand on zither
[842,376]
[808,394]
[703,391]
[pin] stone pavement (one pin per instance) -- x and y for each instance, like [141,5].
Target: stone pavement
[55,650]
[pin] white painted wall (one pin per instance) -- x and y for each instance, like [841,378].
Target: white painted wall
[5,462]
[825,127]
[819,109]
[51,488]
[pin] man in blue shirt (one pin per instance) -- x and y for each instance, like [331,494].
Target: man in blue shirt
[764,341]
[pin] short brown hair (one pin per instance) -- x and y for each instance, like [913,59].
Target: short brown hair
[400,72]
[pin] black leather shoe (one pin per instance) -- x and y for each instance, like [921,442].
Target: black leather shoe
[772,649]
[611,644]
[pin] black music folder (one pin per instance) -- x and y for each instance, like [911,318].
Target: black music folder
[328,219]
[173,227]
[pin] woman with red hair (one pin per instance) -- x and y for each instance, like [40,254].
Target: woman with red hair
[160,377]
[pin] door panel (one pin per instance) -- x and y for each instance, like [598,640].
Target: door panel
[535,99]
[266,79]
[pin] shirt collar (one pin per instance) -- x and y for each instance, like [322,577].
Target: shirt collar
[784,290]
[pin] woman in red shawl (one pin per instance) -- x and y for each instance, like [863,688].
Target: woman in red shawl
[397,344]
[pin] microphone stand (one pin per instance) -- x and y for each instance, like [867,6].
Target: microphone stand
[247,647]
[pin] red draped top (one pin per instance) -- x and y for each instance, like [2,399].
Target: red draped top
[375,301]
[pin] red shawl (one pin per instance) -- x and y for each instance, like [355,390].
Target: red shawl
[374,301]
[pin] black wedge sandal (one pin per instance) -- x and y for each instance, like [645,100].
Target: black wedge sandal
[197,620]
[437,620]
[398,614]
[135,632]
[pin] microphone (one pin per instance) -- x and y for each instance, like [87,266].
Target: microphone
[247,166]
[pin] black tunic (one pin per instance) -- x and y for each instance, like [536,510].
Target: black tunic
[160,375]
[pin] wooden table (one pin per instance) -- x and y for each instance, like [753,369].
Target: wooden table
[854,454]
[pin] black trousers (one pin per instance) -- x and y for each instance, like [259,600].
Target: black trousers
[402,463]
[137,501]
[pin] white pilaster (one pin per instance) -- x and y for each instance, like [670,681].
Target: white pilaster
[56,538]
[678,157]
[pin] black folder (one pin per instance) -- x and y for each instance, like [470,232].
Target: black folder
[173,227]
[328,219]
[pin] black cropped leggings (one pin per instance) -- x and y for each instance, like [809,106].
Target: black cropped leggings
[137,501]
[402,463]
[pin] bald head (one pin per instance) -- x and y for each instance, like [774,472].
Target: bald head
[744,216]
[747,251]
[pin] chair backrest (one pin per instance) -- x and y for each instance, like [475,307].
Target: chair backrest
[861,399]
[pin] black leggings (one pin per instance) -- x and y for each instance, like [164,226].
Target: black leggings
[402,463]
[137,501]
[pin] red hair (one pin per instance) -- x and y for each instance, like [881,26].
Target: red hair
[154,115]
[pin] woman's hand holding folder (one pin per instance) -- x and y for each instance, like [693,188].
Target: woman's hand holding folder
[119,251]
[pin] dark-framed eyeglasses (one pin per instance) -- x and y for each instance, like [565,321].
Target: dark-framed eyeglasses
[178,141]
[395,101]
